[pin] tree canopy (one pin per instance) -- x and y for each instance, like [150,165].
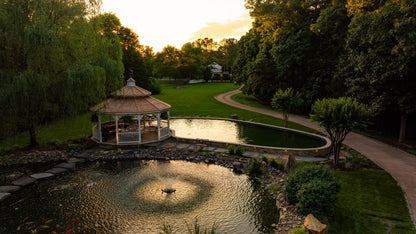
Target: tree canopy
[332,48]
[55,62]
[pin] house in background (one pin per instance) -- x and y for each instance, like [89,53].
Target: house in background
[217,75]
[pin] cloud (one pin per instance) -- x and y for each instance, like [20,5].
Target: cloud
[232,28]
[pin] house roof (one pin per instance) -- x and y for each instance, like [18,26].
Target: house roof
[131,100]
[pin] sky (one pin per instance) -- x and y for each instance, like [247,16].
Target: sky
[176,22]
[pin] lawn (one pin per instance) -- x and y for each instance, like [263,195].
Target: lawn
[370,202]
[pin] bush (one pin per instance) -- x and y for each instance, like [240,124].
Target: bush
[317,196]
[255,168]
[276,164]
[231,149]
[298,231]
[313,189]
[265,159]
[154,86]
[304,175]
[239,150]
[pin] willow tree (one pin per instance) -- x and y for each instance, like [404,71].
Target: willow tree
[57,63]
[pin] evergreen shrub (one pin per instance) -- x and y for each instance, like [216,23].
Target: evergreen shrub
[255,168]
[313,189]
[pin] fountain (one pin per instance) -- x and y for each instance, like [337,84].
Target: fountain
[126,197]
[168,182]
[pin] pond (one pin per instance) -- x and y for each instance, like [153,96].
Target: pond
[241,132]
[126,197]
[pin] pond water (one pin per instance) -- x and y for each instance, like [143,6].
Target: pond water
[126,197]
[242,133]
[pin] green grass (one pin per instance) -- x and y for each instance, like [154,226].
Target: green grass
[370,202]
[250,100]
[198,101]
[59,132]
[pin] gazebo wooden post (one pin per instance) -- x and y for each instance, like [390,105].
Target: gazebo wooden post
[116,118]
[140,131]
[99,129]
[158,126]
[168,122]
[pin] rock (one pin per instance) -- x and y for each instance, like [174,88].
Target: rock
[4,196]
[9,188]
[69,166]
[290,164]
[57,170]
[42,176]
[24,181]
[238,167]
[76,160]
[313,226]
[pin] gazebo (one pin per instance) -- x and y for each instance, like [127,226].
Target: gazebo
[128,111]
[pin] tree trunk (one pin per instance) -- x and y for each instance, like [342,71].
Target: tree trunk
[32,132]
[285,117]
[336,148]
[402,135]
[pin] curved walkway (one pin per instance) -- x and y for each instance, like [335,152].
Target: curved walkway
[401,165]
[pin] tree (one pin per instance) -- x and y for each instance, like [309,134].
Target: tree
[286,101]
[379,67]
[228,52]
[191,63]
[166,62]
[339,117]
[298,43]
[60,64]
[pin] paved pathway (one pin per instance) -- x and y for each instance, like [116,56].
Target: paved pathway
[401,165]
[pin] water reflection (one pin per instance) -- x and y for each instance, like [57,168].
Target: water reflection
[241,133]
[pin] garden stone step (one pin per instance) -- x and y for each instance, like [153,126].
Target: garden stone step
[24,181]
[4,196]
[57,171]
[9,188]
[76,160]
[69,166]
[42,176]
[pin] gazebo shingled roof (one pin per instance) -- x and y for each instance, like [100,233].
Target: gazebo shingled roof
[131,100]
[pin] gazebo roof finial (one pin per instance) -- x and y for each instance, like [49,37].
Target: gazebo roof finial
[131,82]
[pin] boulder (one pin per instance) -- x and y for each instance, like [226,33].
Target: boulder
[313,226]
[290,164]
[238,167]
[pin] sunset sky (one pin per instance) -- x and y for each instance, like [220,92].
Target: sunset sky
[175,22]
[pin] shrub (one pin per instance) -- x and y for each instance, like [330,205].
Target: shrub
[255,168]
[231,149]
[276,164]
[313,189]
[239,150]
[304,175]
[265,159]
[317,196]
[298,231]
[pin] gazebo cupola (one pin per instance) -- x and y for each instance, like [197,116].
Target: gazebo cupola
[128,111]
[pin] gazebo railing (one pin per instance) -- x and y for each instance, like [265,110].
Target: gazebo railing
[128,137]
[164,132]
[96,132]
